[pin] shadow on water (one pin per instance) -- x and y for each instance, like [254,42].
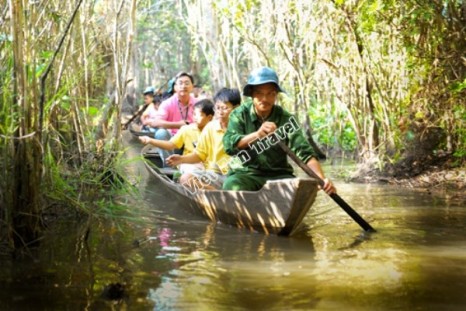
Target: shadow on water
[167,259]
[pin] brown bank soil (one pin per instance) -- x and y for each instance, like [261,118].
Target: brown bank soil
[453,179]
[448,183]
[440,179]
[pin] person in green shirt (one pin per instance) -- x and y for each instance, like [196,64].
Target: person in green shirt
[252,134]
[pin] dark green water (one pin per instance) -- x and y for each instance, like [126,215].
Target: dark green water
[416,260]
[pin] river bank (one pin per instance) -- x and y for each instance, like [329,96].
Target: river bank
[445,181]
[442,179]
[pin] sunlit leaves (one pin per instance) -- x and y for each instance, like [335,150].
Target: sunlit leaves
[92,111]
[347,49]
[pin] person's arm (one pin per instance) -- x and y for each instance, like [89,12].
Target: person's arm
[238,136]
[300,146]
[145,117]
[328,187]
[158,122]
[164,144]
[176,159]
[265,129]
[161,117]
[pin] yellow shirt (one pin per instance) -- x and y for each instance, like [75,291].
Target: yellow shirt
[210,148]
[187,135]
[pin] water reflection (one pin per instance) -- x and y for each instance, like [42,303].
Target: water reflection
[226,267]
[171,260]
[332,264]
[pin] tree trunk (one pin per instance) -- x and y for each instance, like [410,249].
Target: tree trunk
[26,153]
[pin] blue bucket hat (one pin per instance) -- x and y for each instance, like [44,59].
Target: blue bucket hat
[260,76]
[149,90]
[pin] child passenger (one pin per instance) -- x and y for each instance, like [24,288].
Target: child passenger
[188,135]
[209,148]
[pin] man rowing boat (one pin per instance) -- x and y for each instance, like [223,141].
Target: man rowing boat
[255,127]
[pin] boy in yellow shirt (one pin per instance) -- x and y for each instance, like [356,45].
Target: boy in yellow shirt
[209,148]
[188,135]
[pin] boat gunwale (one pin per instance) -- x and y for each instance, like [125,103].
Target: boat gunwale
[295,183]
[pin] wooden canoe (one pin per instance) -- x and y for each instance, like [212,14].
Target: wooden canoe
[278,208]
[136,130]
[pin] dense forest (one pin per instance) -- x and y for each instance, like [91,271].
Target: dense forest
[382,81]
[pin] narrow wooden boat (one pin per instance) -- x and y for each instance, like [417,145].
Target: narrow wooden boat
[278,208]
[136,130]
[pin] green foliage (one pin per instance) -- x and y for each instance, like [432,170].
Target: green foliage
[44,59]
[164,42]
[72,171]
[408,55]
[93,188]
[348,139]
[92,111]
[457,87]
[332,129]
[8,127]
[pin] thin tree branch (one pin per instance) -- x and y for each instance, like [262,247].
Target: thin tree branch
[49,68]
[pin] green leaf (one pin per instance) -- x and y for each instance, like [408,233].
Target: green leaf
[410,135]
[419,115]
[65,105]
[457,87]
[40,69]
[92,111]
[46,54]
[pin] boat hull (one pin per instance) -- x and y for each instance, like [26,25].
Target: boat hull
[137,131]
[278,208]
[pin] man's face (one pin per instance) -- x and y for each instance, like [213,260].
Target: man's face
[264,97]
[223,110]
[183,86]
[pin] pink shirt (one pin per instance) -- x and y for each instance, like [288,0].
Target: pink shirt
[149,115]
[172,110]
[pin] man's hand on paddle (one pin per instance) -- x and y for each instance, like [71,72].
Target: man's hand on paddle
[328,187]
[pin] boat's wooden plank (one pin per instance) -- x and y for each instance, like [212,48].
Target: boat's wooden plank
[279,207]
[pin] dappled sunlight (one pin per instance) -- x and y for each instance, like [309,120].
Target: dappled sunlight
[279,207]
[368,270]
[266,210]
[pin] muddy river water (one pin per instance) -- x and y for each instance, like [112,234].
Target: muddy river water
[163,258]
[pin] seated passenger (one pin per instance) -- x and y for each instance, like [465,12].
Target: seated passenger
[188,135]
[210,146]
[175,111]
[150,113]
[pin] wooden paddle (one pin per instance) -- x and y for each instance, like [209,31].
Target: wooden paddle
[140,111]
[345,206]
[137,114]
